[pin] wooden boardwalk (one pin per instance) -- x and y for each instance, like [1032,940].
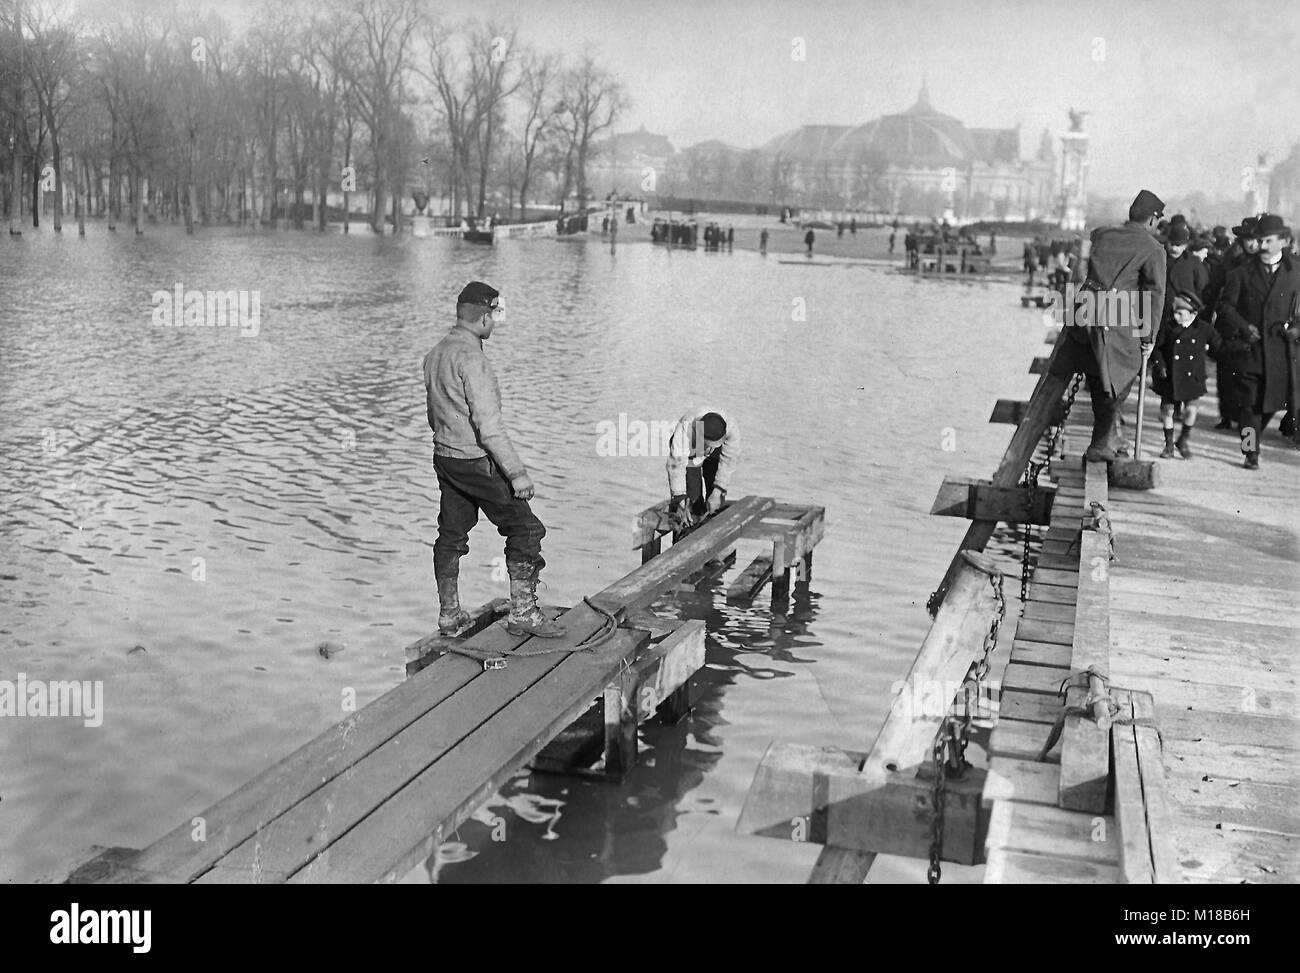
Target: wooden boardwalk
[373,796]
[1147,719]
[1203,625]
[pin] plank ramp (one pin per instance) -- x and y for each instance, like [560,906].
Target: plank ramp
[373,796]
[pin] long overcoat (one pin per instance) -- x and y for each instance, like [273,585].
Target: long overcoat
[1254,295]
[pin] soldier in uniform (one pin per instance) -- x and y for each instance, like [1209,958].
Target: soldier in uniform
[1260,332]
[1126,259]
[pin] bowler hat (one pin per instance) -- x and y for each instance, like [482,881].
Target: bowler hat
[1246,227]
[1145,205]
[1270,224]
[1179,233]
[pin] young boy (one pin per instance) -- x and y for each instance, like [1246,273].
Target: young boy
[1178,370]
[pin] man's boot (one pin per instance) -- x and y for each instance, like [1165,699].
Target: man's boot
[1252,460]
[1168,451]
[1184,450]
[525,617]
[452,619]
[1103,421]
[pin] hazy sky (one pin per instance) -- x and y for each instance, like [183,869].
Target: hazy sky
[1182,95]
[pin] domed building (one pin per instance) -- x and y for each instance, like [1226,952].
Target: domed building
[917,163]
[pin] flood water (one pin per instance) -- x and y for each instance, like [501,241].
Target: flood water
[189,512]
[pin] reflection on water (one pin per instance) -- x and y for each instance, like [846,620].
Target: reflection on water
[190,512]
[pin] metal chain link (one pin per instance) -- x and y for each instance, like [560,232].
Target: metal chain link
[1032,472]
[948,751]
[938,756]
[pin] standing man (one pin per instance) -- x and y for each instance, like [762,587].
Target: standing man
[808,239]
[1243,249]
[1127,262]
[1259,335]
[762,242]
[1184,274]
[702,454]
[478,468]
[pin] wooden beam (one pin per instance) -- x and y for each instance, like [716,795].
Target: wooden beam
[420,653]
[650,523]
[841,866]
[1142,803]
[1085,742]
[405,828]
[642,586]
[1039,366]
[751,580]
[955,638]
[973,499]
[238,816]
[1009,411]
[817,794]
[1024,441]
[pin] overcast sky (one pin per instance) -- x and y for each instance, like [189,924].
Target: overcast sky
[1181,95]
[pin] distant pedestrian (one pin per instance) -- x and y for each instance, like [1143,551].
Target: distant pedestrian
[762,242]
[808,239]
[839,228]
[892,234]
[853,226]
[993,244]
[731,238]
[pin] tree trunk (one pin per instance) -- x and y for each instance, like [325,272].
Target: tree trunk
[138,201]
[16,194]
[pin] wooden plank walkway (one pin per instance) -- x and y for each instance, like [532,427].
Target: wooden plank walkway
[373,796]
[1203,621]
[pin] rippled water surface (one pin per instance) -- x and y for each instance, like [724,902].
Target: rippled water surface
[190,512]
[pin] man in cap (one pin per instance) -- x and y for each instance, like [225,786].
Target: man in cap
[1127,263]
[702,454]
[1258,324]
[478,468]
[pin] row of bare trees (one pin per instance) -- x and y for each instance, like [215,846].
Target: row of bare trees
[149,110]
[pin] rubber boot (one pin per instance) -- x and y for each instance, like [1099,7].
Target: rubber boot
[1168,451]
[525,617]
[452,619]
[1184,450]
[1252,460]
[1103,421]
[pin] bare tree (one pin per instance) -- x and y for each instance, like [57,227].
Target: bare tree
[592,100]
[539,90]
[385,28]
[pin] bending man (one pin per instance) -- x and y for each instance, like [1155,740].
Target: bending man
[702,455]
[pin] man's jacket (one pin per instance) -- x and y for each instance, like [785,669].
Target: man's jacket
[464,403]
[683,453]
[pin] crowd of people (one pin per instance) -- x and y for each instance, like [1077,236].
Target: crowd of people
[1231,300]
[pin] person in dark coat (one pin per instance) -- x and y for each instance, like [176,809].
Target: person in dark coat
[1243,248]
[1184,274]
[1257,322]
[1178,369]
[808,239]
[1127,262]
